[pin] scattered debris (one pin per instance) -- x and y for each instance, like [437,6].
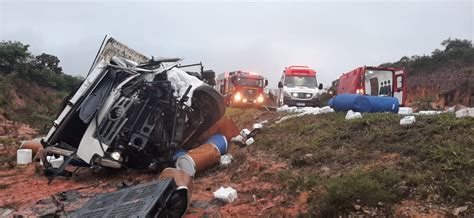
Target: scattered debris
[249,141]
[405,110]
[226,194]
[407,120]
[353,115]
[245,132]
[24,156]
[55,162]
[257,126]
[302,111]
[285,118]
[465,112]
[429,113]
[459,210]
[226,159]
[4,212]
[34,145]
[305,110]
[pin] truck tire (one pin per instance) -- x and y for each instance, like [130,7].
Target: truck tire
[210,103]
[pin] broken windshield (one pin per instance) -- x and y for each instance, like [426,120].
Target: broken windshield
[304,81]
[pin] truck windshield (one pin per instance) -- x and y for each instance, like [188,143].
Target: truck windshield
[251,82]
[304,81]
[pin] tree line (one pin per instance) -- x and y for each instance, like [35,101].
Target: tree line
[459,50]
[17,62]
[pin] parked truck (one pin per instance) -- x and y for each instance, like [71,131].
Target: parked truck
[375,81]
[240,88]
[298,86]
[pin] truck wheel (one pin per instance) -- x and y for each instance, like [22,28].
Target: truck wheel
[210,104]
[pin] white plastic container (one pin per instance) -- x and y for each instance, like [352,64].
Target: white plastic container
[405,110]
[249,141]
[226,194]
[238,138]
[353,115]
[466,112]
[408,120]
[24,156]
[429,113]
[244,132]
[226,159]
[257,126]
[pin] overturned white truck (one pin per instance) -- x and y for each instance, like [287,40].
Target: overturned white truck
[132,111]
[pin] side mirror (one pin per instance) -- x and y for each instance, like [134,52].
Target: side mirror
[320,86]
[280,85]
[266,82]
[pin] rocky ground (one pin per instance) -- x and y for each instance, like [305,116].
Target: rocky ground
[285,172]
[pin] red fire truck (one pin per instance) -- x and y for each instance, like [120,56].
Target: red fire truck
[375,81]
[241,88]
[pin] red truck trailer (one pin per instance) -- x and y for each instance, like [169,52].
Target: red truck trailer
[375,81]
[241,88]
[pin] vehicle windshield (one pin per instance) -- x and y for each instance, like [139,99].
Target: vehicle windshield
[304,81]
[251,82]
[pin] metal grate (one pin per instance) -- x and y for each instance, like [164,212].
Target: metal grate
[95,213]
[145,200]
[251,92]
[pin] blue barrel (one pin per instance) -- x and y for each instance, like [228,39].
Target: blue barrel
[364,103]
[219,141]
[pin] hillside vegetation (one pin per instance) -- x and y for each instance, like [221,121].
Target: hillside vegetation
[31,87]
[443,78]
[373,162]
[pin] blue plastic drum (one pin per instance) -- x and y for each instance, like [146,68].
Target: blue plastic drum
[219,141]
[364,103]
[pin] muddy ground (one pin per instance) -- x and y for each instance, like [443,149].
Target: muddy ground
[24,190]
[292,169]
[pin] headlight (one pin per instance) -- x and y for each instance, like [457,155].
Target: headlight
[116,155]
[294,94]
[308,95]
[260,99]
[237,96]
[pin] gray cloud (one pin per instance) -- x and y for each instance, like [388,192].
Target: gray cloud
[332,37]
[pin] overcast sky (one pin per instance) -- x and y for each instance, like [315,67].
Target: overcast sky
[332,37]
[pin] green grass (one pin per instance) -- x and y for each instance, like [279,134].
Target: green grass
[433,156]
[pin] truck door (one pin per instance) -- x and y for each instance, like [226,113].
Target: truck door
[398,85]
